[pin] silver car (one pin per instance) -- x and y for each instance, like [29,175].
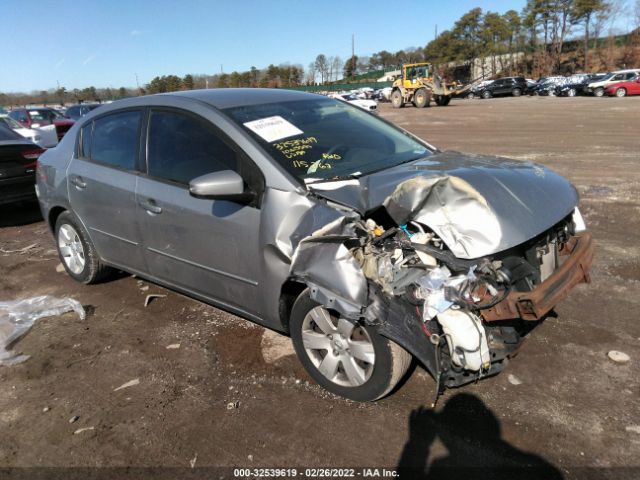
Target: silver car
[365,244]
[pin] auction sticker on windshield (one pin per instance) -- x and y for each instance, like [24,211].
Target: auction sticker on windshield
[273,128]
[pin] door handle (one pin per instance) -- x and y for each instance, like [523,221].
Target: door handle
[151,206]
[79,183]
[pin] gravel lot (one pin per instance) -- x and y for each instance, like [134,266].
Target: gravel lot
[232,394]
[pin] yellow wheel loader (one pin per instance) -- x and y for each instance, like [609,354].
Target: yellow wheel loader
[419,84]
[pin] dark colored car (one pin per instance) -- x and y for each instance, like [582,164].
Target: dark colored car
[18,157]
[576,84]
[35,117]
[74,112]
[310,216]
[546,86]
[514,86]
[623,89]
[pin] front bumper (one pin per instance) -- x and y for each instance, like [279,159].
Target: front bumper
[535,304]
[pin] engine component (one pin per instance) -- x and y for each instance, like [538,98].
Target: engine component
[466,339]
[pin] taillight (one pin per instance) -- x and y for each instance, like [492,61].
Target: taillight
[33,154]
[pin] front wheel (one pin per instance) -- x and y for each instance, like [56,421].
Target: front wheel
[396,99]
[517,92]
[421,98]
[572,92]
[621,92]
[598,92]
[346,358]
[486,94]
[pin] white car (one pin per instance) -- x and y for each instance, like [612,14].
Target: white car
[597,88]
[368,105]
[44,136]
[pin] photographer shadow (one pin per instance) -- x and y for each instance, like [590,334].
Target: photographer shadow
[471,433]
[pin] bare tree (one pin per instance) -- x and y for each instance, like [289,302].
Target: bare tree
[321,66]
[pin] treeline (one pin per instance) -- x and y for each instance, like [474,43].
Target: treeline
[547,37]
[541,31]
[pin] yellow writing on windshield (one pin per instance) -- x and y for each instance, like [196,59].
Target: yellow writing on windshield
[295,148]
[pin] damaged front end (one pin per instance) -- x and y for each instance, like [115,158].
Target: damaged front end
[408,268]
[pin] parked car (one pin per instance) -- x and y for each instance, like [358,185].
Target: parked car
[37,117]
[515,86]
[546,86]
[362,242]
[370,106]
[18,158]
[74,112]
[598,88]
[476,90]
[576,84]
[44,136]
[622,89]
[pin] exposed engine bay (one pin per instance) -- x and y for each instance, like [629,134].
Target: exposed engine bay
[405,280]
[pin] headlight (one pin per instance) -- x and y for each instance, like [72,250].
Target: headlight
[578,221]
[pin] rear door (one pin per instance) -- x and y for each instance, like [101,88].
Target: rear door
[208,247]
[102,180]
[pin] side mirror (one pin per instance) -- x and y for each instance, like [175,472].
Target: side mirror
[223,185]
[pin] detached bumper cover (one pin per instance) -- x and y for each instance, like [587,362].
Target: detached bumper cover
[535,304]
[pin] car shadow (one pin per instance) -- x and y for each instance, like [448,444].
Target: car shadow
[471,433]
[19,214]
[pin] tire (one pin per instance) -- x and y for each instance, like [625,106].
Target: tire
[421,98]
[571,92]
[598,92]
[621,92]
[471,96]
[517,92]
[486,94]
[442,100]
[396,99]
[372,376]
[76,251]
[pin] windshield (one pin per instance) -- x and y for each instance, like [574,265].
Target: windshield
[44,114]
[324,139]
[11,123]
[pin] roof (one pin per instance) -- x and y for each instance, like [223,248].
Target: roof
[236,97]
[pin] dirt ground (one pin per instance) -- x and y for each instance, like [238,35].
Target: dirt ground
[230,393]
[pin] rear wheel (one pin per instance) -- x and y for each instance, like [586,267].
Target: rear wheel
[486,94]
[517,92]
[76,251]
[621,92]
[396,99]
[598,92]
[571,92]
[346,358]
[421,98]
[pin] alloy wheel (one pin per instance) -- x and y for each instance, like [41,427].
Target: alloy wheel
[341,350]
[71,248]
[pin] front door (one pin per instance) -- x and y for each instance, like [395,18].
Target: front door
[102,179]
[208,247]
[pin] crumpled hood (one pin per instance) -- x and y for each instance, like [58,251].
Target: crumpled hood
[478,205]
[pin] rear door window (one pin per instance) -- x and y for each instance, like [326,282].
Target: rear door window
[116,139]
[181,147]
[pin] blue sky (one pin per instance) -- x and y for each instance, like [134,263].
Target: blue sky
[106,43]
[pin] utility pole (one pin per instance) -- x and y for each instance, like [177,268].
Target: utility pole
[353,55]
[137,83]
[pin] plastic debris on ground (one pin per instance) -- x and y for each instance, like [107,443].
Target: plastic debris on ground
[18,316]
